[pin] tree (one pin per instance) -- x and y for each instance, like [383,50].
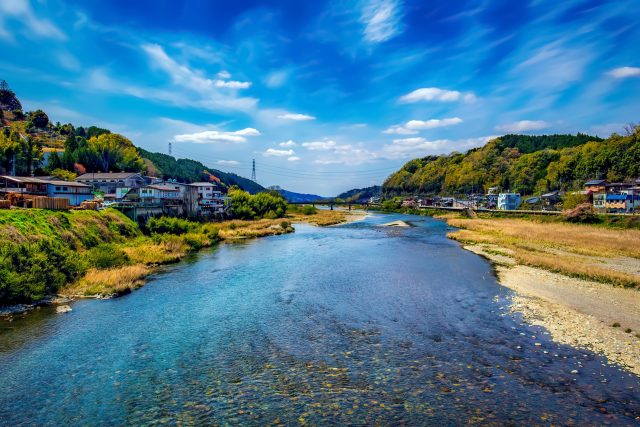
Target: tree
[39,119]
[113,152]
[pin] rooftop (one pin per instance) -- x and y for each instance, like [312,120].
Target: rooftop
[111,175]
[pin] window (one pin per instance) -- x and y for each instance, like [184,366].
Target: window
[65,189]
[57,188]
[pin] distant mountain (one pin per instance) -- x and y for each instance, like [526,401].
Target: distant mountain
[522,163]
[293,197]
[361,194]
[187,170]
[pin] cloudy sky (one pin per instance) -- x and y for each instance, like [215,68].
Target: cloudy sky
[324,95]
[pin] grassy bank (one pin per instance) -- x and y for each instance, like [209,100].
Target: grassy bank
[101,254]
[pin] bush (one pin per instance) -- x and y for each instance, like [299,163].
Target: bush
[571,201]
[309,210]
[583,213]
[106,256]
[31,271]
[262,205]
[170,225]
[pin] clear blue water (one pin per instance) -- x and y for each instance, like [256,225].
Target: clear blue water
[355,324]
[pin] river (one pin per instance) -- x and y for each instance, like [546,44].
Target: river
[357,324]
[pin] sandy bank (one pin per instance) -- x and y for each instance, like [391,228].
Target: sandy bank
[577,312]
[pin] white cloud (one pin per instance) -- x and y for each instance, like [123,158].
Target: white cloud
[523,126]
[296,116]
[289,143]
[293,159]
[224,74]
[382,20]
[624,72]
[232,84]
[272,152]
[436,94]
[227,162]
[213,136]
[413,126]
[21,10]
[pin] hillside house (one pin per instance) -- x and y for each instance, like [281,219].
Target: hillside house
[75,192]
[621,203]
[508,201]
[595,185]
[109,182]
[159,194]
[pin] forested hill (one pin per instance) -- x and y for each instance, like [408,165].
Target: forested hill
[187,170]
[522,163]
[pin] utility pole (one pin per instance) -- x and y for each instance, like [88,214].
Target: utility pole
[13,165]
[253,171]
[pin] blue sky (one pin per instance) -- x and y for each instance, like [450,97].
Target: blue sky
[325,95]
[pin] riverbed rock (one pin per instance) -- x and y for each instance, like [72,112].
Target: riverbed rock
[63,309]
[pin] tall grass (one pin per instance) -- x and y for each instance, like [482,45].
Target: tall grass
[111,281]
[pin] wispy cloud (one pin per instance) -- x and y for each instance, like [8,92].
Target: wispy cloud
[20,10]
[215,136]
[406,148]
[227,162]
[293,159]
[382,20]
[413,126]
[207,90]
[624,72]
[296,117]
[272,152]
[436,94]
[523,126]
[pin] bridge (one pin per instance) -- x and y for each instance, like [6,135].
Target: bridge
[332,203]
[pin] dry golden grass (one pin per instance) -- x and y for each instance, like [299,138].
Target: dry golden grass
[238,229]
[550,246]
[577,238]
[321,218]
[149,253]
[108,282]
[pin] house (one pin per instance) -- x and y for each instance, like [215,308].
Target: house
[508,201]
[109,182]
[618,187]
[595,185]
[23,185]
[75,192]
[621,203]
[409,203]
[206,190]
[159,194]
[374,200]
[600,200]
[492,191]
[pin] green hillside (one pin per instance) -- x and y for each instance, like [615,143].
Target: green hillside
[360,194]
[521,163]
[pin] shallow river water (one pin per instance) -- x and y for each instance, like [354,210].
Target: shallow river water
[356,324]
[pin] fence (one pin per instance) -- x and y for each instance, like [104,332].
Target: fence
[50,203]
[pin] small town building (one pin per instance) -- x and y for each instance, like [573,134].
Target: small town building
[621,203]
[159,194]
[75,192]
[595,185]
[409,203]
[109,182]
[508,201]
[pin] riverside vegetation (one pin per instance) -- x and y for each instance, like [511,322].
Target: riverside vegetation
[101,254]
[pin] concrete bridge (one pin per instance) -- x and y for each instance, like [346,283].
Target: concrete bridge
[331,204]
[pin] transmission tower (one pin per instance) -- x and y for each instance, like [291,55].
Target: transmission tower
[169,147]
[253,171]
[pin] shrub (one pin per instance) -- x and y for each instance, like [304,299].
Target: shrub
[309,210]
[106,256]
[571,201]
[170,225]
